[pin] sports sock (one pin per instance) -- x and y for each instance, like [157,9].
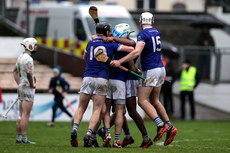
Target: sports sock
[107,130]
[117,137]
[89,132]
[24,137]
[19,137]
[93,136]
[75,126]
[103,129]
[126,131]
[145,137]
[158,121]
[169,123]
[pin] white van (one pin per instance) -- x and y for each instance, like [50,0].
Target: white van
[70,23]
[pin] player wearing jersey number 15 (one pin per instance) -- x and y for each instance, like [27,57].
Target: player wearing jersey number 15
[149,47]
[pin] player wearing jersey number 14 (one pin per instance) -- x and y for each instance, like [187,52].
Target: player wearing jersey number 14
[149,47]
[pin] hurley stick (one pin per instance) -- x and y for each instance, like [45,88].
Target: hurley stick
[7,111]
[93,14]
[59,89]
[102,57]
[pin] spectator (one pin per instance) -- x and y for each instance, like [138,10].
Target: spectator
[166,89]
[188,82]
[205,39]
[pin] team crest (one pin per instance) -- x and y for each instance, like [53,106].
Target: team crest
[139,37]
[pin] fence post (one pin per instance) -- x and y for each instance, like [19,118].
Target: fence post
[217,66]
[182,55]
[55,48]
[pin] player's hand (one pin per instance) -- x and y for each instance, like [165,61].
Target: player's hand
[64,94]
[108,39]
[94,37]
[35,80]
[138,71]
[34,85]
[115,63]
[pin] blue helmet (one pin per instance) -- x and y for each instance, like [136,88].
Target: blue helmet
[121,30]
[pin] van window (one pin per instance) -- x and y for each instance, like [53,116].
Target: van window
[40,29]
[79,30]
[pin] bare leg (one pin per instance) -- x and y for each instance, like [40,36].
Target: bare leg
[119,109]
[83,103]
[98,101]
[131,107]
[154,99]
[143,95]
[107,115]
[18,128]
[103,111]
[26,109]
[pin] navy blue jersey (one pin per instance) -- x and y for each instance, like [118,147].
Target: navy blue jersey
[131,76]
[117,73]
[151,54]
[93,67]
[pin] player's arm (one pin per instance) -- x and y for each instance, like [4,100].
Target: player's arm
[132,66]
[123,41]
[85,56]
[29,74]
[125,48]
[132,55]
[16,76]
[66,87]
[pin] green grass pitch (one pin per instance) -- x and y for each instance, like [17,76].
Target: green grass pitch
[192,137]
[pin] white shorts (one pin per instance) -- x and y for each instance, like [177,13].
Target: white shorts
[155,77]
[25,92]
[117,91]
[98,86]
[131,88]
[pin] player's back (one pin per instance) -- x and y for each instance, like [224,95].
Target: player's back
[117,73]
[151,54]
[93,67]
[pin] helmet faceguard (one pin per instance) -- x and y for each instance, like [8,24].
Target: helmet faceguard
[29,44]
[121,30]
[103,29]
[146,18]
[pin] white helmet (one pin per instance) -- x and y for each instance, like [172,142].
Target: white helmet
[121,30]
[29,44]
[146,18]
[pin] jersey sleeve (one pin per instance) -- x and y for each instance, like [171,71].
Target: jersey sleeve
[117,46]
[140,37]
[87,49]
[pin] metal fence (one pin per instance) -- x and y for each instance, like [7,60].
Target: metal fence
[213,64]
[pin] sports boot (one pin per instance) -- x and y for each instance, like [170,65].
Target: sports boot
[73,141]
[170,135]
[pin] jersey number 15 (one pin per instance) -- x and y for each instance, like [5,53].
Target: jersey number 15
[156,43]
